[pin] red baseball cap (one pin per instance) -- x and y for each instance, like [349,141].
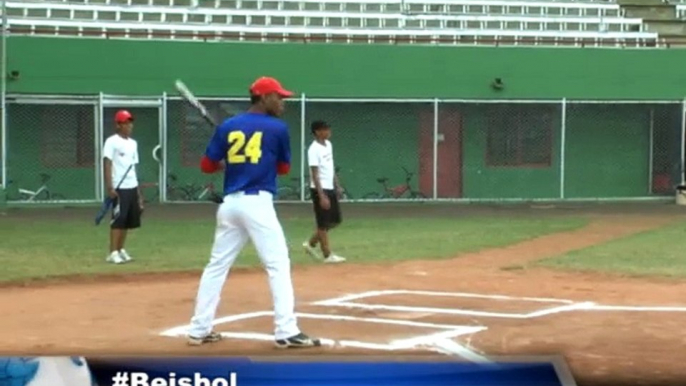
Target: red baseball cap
[123,116]
[267,85]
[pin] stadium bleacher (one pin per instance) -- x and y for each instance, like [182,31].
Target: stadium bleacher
[412,21]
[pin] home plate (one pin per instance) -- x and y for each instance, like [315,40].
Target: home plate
[405,315]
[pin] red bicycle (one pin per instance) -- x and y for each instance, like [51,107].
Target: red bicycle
[400,191]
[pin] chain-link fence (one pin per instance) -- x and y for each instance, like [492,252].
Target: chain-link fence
[188,135]
[51,150]
[383,149]
[622,149]
[3,154]
[499,150]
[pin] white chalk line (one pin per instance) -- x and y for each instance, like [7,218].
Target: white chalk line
[449,311]
[557,310]
[427,339]
[345,301]
[270,338]
[417,342]
[450,347]
[174,331]
[369,294]
[601,307]
[439,342]
[379,320]
[180,330]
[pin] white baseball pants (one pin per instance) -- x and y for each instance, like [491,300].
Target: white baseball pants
[239,218]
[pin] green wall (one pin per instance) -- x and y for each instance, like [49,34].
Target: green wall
[607,152]
[608,146]
[483,181]
[147,67]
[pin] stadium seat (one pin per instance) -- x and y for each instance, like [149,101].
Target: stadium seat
[436,21]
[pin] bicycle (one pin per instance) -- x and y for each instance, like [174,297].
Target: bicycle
[207,192]
[174,192]
[292,192]
[42,194]
[345,195]
[400,191]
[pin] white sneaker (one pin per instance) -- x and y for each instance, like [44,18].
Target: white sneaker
[114,258]
[334,259]
[125,256]
[312,251]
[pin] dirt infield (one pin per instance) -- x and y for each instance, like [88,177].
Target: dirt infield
[540,311]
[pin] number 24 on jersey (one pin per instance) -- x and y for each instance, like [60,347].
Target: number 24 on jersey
[240,151]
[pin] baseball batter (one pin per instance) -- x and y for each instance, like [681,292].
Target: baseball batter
[252,148]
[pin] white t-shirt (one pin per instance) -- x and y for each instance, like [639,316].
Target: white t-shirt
[321,156]
[123,152]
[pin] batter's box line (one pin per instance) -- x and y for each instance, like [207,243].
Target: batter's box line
[573,305]
[431,341]
[344,301]
[368,294]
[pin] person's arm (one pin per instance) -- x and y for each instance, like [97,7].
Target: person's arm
[107,156]
[337,183]
[314,160]
[283,161]
[211,161]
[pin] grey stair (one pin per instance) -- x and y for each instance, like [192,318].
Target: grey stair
[641,2]
[667,12]
[666,27]
[431,20]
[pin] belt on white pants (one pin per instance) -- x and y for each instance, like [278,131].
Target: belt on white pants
[244,193]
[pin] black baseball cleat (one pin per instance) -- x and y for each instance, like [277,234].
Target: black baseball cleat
[209,338]
[298,341]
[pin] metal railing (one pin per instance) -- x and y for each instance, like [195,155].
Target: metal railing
[385,149]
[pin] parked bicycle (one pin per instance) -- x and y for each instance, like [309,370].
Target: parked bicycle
[43,193]
[203,192]
[174,191]
[400,191]
[292,192]
[345,195]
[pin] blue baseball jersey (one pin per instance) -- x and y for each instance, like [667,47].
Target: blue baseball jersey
[251,145]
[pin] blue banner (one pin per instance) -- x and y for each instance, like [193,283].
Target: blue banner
[214,371]
[208,371]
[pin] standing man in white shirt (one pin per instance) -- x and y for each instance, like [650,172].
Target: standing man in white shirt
[325,192]
[120,155]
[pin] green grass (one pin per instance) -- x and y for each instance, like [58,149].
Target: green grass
[48,248]
[660,252]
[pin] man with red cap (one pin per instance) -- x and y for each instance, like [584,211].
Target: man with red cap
[120,155]
[252,148]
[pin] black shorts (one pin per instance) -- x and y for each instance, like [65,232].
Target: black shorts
[326,218]
[129,216]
